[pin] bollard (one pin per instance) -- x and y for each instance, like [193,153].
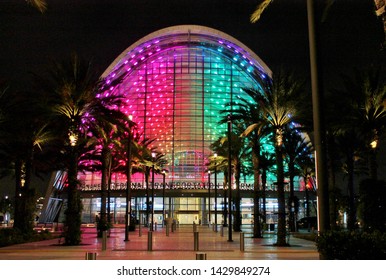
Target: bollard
[150,241]
[242,244]
[200,256]
[222,230]
[90,256]
[196,241]
[104,240]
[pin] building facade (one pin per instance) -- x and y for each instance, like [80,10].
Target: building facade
[178,83]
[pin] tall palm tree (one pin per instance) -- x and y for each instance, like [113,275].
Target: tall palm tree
[220,164]
[238,152]
[267,162]
[317,105]
[79,110]
[21,145]
[307,172]
[362,122]
[296,147]
[370,112]
[248,112]
[107,141]
[281,103]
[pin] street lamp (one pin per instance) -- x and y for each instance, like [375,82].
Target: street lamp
[215,192]
[163,196]
[209,196]
[229,179]
[153,155]
[128,186]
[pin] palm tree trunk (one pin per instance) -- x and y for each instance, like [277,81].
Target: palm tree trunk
[18,216]
[147,175]
[73,212]
[256,193]
[281,229]
[373,164]
[264,185]
[331,182]
[291,170]
[103,223]
[351,195]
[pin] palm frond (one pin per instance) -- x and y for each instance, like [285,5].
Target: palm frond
[249,129]
[259,10]
[326,10]
[41,5]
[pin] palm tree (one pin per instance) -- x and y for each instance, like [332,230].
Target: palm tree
[281,103]
[307,172]
[267,162]
[220,164]
[107,138]
[239,151]
[21,144]
[362,122]
[370,112]
[248,112]
[380,9]
[296,148]
[317,105]
[79,111]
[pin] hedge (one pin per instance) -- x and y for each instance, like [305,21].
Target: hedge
[352,245]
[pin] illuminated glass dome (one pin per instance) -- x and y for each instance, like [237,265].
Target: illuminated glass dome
[176,81]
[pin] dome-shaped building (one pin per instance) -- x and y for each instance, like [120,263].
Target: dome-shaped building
[177,82]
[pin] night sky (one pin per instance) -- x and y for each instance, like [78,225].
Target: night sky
[101,30]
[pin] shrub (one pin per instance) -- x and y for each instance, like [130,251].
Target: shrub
[354,245]
[11,236]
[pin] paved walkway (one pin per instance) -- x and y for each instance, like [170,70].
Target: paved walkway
[178,245]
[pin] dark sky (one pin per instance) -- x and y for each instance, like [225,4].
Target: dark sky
[102,29]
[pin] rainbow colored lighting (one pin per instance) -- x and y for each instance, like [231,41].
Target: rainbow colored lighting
[176,81]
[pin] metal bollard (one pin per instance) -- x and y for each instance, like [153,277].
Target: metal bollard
[242,244]
[196,241]
[90,256]
[150,241]
[222,230]
[104,240]
[139,229]
[200,256]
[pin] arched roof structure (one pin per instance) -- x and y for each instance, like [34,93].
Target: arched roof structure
[177,81]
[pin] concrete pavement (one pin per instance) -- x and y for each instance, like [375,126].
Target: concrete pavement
[181,244]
